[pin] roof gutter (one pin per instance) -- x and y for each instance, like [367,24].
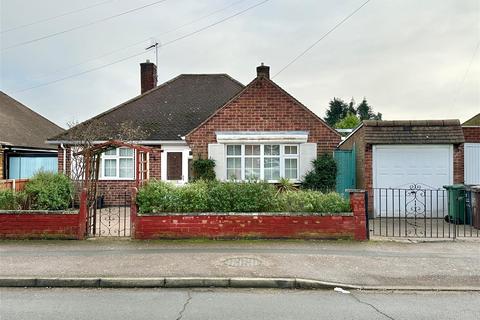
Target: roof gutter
[144,142]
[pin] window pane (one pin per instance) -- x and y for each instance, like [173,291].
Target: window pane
[291,169]
[290,149]
[110,169]
[271,168]
[234,150]
[126,168]
[234,168]
[111,152]
[272,150]
[252,150]
[252,168]
[126,152]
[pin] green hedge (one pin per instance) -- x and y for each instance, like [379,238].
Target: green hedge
[214,196]
[10,200]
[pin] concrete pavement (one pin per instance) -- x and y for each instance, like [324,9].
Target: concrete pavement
[390,264]
[234,304]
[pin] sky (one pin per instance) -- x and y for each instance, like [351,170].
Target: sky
[411,59]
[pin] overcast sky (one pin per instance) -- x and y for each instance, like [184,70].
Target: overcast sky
[412,59]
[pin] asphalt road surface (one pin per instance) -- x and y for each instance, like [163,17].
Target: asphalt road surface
[51,304]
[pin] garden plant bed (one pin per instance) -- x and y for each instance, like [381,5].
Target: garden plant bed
[253,225]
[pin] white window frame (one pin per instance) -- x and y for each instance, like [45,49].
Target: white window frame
[262,157]
[117,157]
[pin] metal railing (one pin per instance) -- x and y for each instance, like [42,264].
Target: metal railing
[418,212]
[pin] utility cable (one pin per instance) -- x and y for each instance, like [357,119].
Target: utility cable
[143,52]
[321,38]
[56,17]
[82,25]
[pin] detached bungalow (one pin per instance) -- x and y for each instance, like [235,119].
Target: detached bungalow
[254,131]
[23,150]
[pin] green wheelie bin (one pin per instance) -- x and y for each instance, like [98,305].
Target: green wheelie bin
[456,204]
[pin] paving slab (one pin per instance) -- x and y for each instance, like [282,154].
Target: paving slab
[420,265]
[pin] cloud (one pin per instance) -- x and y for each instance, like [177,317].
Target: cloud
[408,58]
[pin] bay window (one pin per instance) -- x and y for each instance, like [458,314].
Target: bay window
[262,162]
[117,164]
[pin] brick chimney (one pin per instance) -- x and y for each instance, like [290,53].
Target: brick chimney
[263,71]
[148,76]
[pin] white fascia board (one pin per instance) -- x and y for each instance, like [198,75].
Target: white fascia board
[142,142]
[351,134]
[262,136]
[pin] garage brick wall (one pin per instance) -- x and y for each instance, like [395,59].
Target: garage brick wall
[458,164]
[263,106]
[357,139]
[471,134]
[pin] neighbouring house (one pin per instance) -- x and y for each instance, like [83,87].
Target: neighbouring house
[471,132]
[23,132]
[426,154]
[254,131]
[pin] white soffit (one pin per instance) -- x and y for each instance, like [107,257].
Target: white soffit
[262,136]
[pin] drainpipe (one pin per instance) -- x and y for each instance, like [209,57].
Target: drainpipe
[64,158]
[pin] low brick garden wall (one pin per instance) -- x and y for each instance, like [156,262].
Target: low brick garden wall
[350,225]
[38,224]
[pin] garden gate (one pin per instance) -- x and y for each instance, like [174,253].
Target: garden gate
[345,160]
[108,207]
[418,211]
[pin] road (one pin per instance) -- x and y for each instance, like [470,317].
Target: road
[233,304]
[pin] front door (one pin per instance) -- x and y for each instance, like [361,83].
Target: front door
[174,166]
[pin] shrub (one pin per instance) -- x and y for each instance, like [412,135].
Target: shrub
[192,197]
[156,196]
[285,185]
[241,197]
[323,175]
[312,201]
[49,191]
[10,200]
[214,196]
[203,169]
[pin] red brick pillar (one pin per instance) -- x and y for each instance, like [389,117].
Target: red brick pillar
[133,212]
[357,202]
[82,215]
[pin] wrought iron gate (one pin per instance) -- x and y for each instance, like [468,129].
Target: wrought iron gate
[419,212]
[109,216]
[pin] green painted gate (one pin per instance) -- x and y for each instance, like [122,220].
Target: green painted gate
[346,177]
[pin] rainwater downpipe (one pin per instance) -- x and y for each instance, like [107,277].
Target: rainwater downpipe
[64,158]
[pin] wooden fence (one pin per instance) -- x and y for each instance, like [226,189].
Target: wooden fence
[13,184]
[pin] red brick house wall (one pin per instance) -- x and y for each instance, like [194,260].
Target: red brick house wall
[263,106]
[471,134]
[116,192]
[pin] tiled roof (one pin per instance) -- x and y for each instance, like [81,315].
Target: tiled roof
[22,127]
[413,132]
[166,112]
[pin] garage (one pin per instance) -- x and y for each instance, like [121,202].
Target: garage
[401,166]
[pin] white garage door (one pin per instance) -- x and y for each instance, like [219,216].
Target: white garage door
[472,163]
[428,167]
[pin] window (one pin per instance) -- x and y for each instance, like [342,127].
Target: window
[234,162]
[252,162]
[262,162]
[118,164]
